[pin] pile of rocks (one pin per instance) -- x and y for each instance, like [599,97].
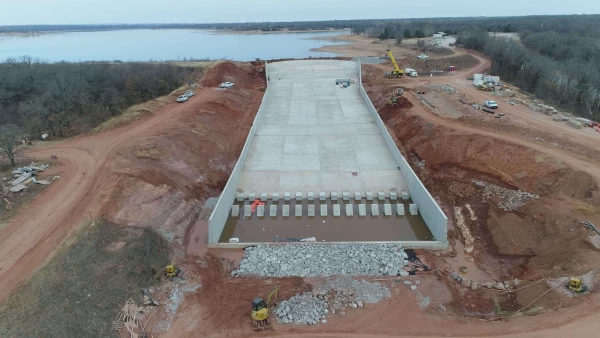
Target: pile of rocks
[334,297]
[474,285]
[321,260]
[509,200]
[304,309]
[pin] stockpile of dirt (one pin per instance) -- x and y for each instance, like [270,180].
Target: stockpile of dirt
[242,75]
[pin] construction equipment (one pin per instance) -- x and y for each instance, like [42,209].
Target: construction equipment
[393,101]
[261,311]
[397,71]
[576,285]
[172,271]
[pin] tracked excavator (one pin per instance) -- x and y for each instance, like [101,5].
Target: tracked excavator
[261,310]
[397,71]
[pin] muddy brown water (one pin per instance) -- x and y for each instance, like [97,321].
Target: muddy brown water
[328,228]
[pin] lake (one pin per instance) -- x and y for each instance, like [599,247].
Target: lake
[164,44]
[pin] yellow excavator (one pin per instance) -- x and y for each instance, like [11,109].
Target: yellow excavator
[397,71]
[261,311]
[172,271]
[576,285]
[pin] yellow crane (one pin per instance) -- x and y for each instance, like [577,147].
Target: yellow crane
[397,71]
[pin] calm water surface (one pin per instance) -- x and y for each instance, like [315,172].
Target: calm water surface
[163,44]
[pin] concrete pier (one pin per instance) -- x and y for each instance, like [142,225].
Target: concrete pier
[285,211]
[263,197]
[275,197]
[405,195]
[298,211]
[323,210]
[393,196]
[336,210]
[310,196]
[287,196]
[322,196]
[273,210]
[260,210]
[387,209]
[357,196]
[240,196]
[247,210]
[299,196]
[334,196]
[346,196]
[362,210]
[375,209]
[251,196]
[412,209]
[235,210]
[311,210]
[369,195]
[400,209]
[349,210]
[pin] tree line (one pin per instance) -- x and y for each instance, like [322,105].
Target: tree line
[63,99]
[561,68]
[581,25]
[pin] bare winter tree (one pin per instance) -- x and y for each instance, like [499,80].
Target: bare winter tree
[10,138]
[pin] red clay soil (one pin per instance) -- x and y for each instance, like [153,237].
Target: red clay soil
[222,306]
[152,172]
[242,75]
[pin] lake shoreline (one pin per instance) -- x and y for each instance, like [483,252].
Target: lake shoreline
[215,31]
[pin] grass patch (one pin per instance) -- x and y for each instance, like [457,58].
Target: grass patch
[81,291]
[136,112]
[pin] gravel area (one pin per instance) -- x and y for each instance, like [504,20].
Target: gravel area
[367,292]
[509,200]
[322,260]
[302,309]
[334,297]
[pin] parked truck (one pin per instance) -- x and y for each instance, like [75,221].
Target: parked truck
[410,72]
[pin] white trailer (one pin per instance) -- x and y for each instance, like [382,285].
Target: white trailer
[478,80]
[410,72]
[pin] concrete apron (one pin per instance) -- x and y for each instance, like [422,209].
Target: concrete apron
[427,245]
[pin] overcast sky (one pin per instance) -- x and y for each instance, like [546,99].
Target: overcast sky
[15,12]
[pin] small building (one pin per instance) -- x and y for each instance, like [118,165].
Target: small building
[478,80]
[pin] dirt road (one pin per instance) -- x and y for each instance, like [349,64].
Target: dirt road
[519,113]
[31,237]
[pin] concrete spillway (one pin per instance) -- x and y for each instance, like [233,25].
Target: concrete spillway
[314,139]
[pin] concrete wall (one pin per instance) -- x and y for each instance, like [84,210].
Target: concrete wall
[433,216]
[219,216]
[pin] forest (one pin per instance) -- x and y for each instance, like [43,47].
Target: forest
[561,68]
[63,99]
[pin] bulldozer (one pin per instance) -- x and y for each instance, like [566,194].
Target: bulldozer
[261,310]
[171,271]
[397,72]
[576,285]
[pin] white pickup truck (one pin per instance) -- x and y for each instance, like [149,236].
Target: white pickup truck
[227,85]
[182,98]
[491,104]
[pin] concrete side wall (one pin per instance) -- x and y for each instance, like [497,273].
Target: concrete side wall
[219,216]
[433,216]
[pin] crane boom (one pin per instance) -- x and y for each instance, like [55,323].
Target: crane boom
[397,71]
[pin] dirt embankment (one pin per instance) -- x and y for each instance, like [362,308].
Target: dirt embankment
[525,243]
[162,179]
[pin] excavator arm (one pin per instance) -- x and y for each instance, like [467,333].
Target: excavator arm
[273,295]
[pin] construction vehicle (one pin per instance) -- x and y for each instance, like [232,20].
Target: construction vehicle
[485,88]
[393,101]
[397,71]
[575,285]
[171,271]
[261,310]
